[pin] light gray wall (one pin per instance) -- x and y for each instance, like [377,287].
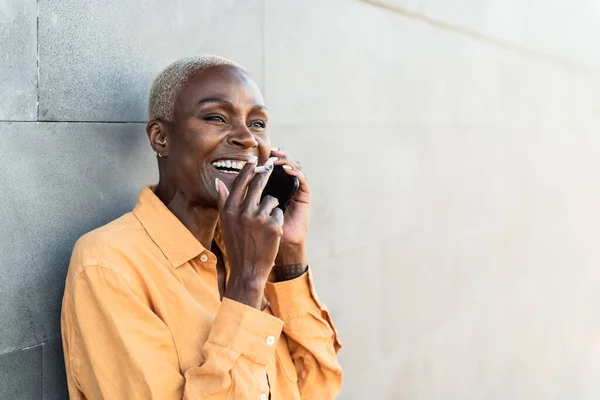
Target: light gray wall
[452,148]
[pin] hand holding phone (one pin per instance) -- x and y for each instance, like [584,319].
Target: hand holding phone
[281,186]
[288,183]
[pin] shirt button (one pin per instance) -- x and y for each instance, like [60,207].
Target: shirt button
[263,396]
[204,258]
[270,340]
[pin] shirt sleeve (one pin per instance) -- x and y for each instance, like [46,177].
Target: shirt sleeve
[312,338]
[118,348]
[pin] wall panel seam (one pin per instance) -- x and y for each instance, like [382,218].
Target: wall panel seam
[264,49]
[70,122]
[37,62]
[30,347]
[506,45]
[42,374]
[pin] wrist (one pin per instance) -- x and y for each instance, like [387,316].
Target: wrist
[290,254]
[246,290]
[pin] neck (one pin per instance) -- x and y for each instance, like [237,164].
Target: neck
[200,221]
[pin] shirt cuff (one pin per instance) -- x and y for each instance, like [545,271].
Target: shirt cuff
[293,297]
[246,331]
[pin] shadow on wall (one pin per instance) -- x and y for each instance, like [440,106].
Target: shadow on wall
[59,181]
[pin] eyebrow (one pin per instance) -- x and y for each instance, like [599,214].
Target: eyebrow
[228,104]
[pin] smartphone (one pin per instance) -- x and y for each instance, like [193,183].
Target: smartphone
[281,186]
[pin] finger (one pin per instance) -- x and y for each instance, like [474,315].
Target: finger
[281,153]
[295,172]
[277,216]
[285,158]
[238,188]
[267,205]
[222,193]
[287,161]
[278,150]
[256,186]
[303,193]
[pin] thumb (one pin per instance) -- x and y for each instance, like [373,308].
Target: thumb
[222,193]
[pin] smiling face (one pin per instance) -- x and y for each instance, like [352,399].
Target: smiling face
[219,122]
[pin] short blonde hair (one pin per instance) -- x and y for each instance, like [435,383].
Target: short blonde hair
[168,83]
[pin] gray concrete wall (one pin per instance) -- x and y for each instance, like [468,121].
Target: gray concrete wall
[452,147]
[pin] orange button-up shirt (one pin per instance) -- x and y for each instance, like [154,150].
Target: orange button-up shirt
[142,318]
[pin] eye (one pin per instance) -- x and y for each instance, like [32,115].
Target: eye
[259,124]
[214,118]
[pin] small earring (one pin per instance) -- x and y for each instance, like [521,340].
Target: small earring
[163,142]
[157,153]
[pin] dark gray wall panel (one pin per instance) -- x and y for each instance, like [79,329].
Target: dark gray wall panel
[98,59]
[58,181]
[21,374]
[18,64]
[54,378]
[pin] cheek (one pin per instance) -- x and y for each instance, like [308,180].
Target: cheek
[190,162]
[197,144]
[264,147]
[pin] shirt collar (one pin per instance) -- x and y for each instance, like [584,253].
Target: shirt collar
[172,237]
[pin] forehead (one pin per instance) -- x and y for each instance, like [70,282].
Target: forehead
[223,82]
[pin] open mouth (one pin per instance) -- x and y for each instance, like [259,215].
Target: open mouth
[229,166]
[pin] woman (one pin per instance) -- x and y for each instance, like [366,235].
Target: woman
[202,291]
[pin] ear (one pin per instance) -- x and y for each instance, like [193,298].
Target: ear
[157,133]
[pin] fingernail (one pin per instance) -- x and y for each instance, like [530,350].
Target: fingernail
[217,184]
[252,159]
[287,167]
[261,169]
[275,149]
[271,160]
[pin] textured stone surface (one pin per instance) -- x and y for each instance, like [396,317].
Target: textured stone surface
[561,28]
[565,28]
[489,297]
[455,223]
[373,67]
[98,60]
[504,20]
[55,379]
[327,50]
[364,182]
[412,6]
[58,181]
[21,374]
[350,285]
[18,68]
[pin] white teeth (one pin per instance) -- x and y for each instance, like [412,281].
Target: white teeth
[233,164]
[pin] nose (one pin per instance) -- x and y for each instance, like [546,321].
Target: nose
[243,138]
